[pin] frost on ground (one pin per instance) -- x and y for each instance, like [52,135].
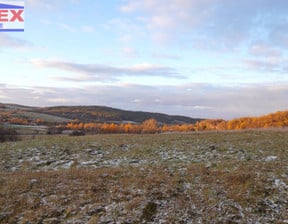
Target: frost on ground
[210,177]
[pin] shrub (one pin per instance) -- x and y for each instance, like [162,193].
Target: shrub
[77,133]
[54,131]
[8,134]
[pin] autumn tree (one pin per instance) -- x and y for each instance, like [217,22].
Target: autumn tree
[149,126]
[20,121]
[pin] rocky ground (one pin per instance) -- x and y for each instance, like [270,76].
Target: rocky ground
[208,177]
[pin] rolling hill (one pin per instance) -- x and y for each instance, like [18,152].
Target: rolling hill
[62,114]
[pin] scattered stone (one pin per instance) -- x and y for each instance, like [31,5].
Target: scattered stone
[51,221]
[97,210]
[13,169]
[33,182]
[104,175]
[270,158]
[3,215]
[157,203]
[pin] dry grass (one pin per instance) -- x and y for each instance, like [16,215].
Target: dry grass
[230,189]
[36,196]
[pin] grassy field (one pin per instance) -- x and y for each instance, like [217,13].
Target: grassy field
[207,177]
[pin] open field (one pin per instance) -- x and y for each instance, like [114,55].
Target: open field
[207,177]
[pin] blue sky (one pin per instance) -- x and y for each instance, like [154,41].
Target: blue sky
[200,58]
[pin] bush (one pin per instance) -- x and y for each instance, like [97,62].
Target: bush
[8,134]
[77,133]
[54,131]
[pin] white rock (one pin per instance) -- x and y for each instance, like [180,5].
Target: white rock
[270,158]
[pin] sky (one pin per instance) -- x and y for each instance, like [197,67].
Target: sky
[198,58]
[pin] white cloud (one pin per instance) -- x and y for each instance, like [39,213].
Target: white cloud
[126,38]
[130,52]
[278,34]
[165,19]
[123,25]
[13,42]
[166,56]
[264,50]
[100,72]
[88,29]
[270,64]
[48,4]
[58,101]
[67,27]
[202,100]
[212,24]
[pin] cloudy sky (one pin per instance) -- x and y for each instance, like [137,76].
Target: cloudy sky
[200,58]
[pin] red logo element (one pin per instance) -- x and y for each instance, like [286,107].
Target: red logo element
[16,15]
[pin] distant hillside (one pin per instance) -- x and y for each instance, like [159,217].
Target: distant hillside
[108,114]
[62,114]
[19,114]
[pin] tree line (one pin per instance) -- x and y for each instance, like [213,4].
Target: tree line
[148,126]
[275,120]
